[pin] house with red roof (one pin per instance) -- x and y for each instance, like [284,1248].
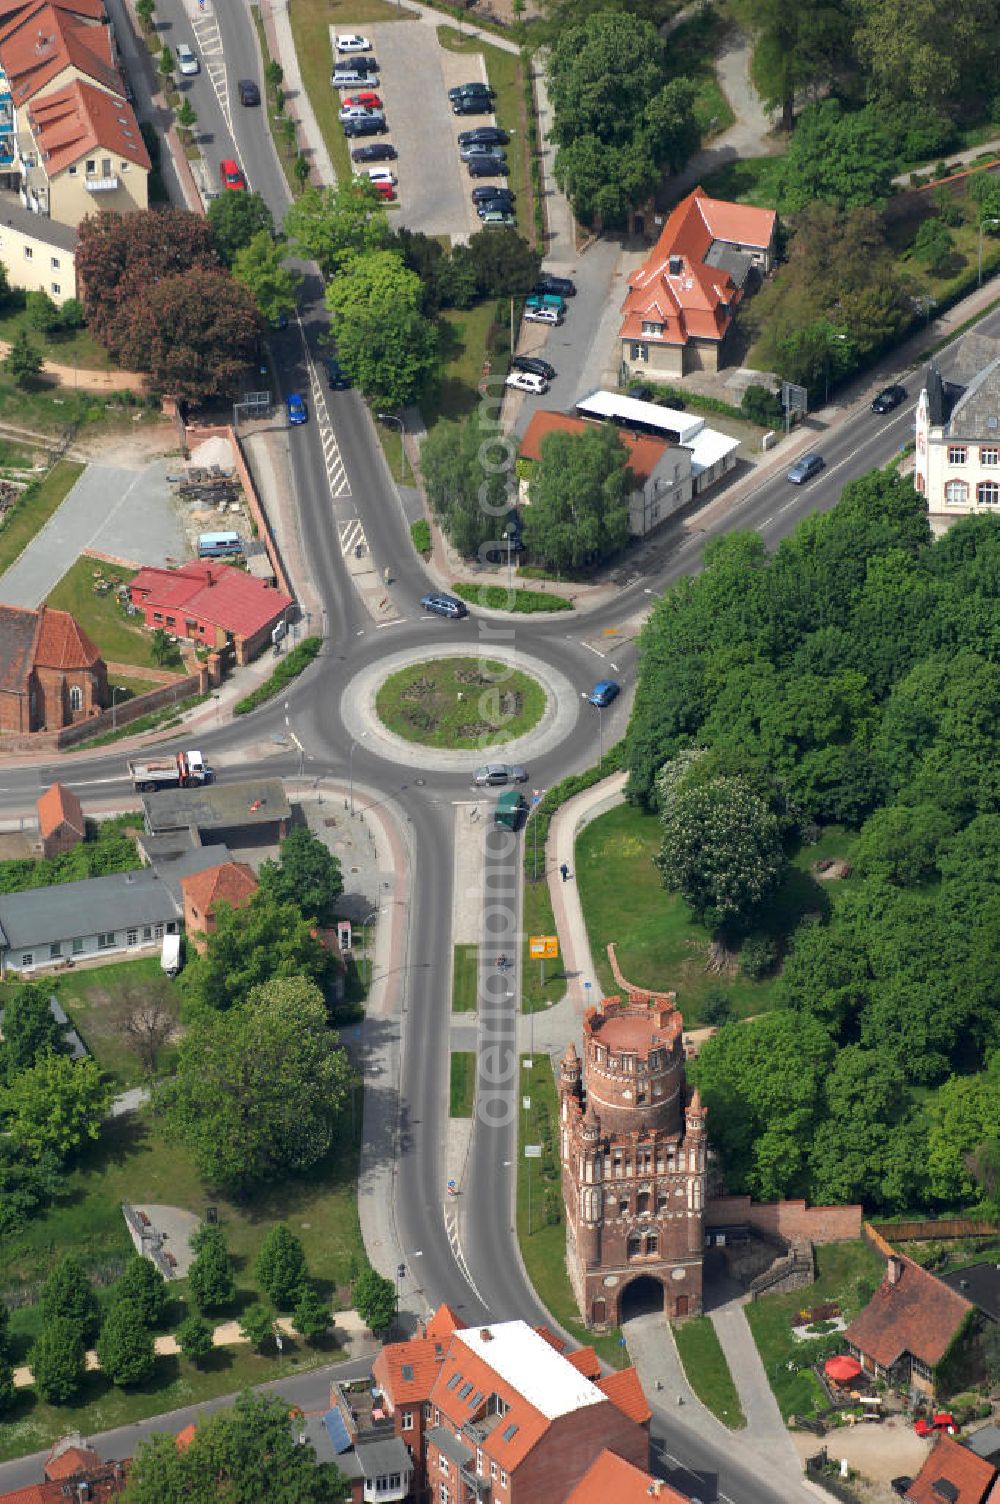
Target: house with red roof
[232,883]
[952,1475]
[214,604]
[681,302]
[908,1326]
[73,1471]
[61,822]
[51,674]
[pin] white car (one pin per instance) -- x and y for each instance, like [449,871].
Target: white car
[353,43]
[527,381]
[542,316]
[187,60]
[382,175]
[358,112]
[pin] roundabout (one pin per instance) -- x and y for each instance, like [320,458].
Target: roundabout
[468,702]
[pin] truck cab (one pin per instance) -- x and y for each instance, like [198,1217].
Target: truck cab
[511,808]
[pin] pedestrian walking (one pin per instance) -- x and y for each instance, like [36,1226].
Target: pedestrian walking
[564,873]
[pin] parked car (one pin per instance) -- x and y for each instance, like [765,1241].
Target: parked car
[544,300]
[187,60]
[497,216]
[543,316]
[488,135]
[603,692]
[486,167]
[371,125]
[297,410]
[379,151]
[358,112]
[527,381]
[477,149]
[337,377]
[536,364]
[385,191]
[472,104]
[805,468]
[888,398]
[494,205]
[366,97]
[444,605]
[496,773]
[463,91]
[353,42]
[231,175]
[351,78]
[381,175]
[249,92]
[565,287]
[942,1420]
[493,191]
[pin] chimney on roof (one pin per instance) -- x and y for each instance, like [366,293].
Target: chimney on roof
[485,1335]
[675,266]
[655,1489]
[894,1270]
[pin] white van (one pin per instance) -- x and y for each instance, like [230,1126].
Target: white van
[170,955]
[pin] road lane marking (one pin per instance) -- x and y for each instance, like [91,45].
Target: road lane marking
[451,1228]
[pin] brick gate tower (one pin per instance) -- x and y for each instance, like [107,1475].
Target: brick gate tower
[633,1156]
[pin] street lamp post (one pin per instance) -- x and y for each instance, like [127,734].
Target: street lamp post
[115,691]
[391,418]
[364,944]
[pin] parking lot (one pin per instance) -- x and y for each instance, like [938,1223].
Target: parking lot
[415,74]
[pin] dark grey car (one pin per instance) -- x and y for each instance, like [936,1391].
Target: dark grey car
[496,773]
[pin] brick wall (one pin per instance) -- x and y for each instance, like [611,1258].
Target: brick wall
[264,530]
[787,1220]
[131,710]
[953,1227]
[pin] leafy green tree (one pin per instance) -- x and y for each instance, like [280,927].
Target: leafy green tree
[210,1277]
[167,66]
[843,159]
[984,190]
[145,9]
[333,225]
[964,1115]
[58,1361]
[604,182]
[71,315]
[257,1324]
[26,1185]
[500,262]
[68,1294]
[933,245]
[194,1338]
[187,119]
[307,874]
[29,1030]
[311,1316]
[235,220]
[300,170]
[910,57]
[273,74]
[379,280]
[43,314]
[374,1299]
[244,1453]
[670,125]
[143,1287]
[393,356]
[261,267]
[55,1105]
[160,646]
[601,75]
[795,47]
[23,360]
[579,490]
[125,1348]
[281,1266]
[900,843]
[259,1090]
[249,946]
[469,488]
[8,1393]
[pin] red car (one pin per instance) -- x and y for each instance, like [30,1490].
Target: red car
[385,190]
[367,97]
[942,1421]
[230,175]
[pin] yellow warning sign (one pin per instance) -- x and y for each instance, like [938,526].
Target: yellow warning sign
[543,947]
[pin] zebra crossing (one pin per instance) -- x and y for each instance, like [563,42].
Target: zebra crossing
[209,40]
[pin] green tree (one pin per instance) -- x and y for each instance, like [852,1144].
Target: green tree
[257,1324]
[500,262]
[846,160]
[244,1453]
[235,219]
[579,490]
[933,245]
[194,1338]
[68,1295]
[259,1090]
[912,58]
[249,946]
[964,1115]
[55,1105]
[602,74]
[377,280]
[160,646]
[43,315]
[394,356]
[333,225]
[210,1277]
[71,315]
[8,1393]
[23,360]
[125,1348]
[58,1361]
[721,849]
[187,119]
[167,66]
[795,47]
[273,74]
[281,1266]
[142,1286]
[604,182]
[900,843]
[311,1317]
[29,1030]
[306,874]
[145,9]
[469,489]
[374,1299]
[984,190]
[301,170]
[263,270]
[26,1186]
[670,124]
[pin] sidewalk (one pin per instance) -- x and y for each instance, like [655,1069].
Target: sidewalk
[765,1427]
[298,105]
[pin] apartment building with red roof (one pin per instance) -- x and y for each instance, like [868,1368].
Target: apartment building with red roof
[214,604]
[908,1326]
[51,674]
[680,304]
[952,1475]
[61,821]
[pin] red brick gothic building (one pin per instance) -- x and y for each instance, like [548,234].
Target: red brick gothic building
[51,674]
[633,1153]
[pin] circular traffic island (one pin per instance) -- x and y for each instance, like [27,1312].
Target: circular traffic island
[455,702]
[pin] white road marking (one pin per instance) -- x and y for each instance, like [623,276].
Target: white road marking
[336,471]
[397,623]
[451,1228]
[591,649]
[352,536]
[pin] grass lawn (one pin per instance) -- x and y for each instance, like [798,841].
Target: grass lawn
[90,996]
[460,702]
[463,1083]
[499,598]
[120,638]
[845,1272]
[537,919]
[690,54]
[750,180]
[543,1248]
[164,718]
[659,944]
[464,979]
[78,348]
[707,1370]
[31,514]
[464,340]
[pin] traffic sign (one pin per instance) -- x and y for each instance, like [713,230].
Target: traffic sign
[532,1151]
[543,947]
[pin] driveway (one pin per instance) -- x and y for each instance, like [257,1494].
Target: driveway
[118,511]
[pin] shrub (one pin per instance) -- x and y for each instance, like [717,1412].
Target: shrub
[521,602]
[758,956]
[420,532]
[717,1008]
[759,405]
[281,1266]
[290,667]
[194,1338]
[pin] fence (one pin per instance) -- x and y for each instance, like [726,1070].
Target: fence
[953,1227]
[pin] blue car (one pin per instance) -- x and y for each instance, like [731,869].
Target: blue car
[603,692]
[297,411]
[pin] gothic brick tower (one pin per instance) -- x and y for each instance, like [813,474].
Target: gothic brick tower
[633,1156]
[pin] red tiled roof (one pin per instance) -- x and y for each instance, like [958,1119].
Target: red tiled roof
[586,1361]
[104,1486]
[59,805]
[524,1425]
[218,593]
[34,1493]
[18,630]
[231,882]
[551,1338]
[610,1478]
[45,39]
[443,1322]
[80,119]
[62,642]
[625,1391]
[644,453]
[70,1462]
[421,1357]
[916,1314]
[949,1461]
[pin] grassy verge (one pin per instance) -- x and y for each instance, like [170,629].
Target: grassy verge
[460,702]
[691,54]
[89,592]
[293,664]
[505,73]
[420,536]
[845,1272]
[465,337]
[520,602]
[463,1083]
[543,1235]
[542,983]
[267,105]
[30,514]
[91,996]
[464,979]
[707,1370]
[76,348]
[162,719]
[750,180]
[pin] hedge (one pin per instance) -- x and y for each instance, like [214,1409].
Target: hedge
[685,399]
[525,602]
[288,669]
[420,533]
[612,762]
